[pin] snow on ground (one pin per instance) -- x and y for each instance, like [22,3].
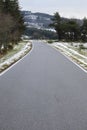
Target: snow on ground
[15,57]
[71,52]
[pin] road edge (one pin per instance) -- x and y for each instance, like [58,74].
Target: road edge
[68,58]
[17,60]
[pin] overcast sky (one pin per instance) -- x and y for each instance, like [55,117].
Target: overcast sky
[66,8]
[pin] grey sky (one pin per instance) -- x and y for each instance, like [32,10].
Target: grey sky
[66,8]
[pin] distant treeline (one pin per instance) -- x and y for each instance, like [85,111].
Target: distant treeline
[11,24]
[35,33]
[69,30]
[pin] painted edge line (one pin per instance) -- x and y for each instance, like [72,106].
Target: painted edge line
[10,67]
[69,59]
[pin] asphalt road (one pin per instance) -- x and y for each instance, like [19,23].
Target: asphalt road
[44,91]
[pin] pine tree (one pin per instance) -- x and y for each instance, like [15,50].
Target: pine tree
[57,24]
[12,26]
[84,30]
[1,6]
[12,7]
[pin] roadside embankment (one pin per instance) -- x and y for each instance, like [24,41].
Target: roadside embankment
[18,52]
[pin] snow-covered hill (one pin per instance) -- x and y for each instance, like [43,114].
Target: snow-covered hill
[37,20]
[41,20]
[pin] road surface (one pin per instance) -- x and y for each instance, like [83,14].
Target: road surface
[44,91]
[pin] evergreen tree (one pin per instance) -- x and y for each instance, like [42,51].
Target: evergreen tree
[12,7]
[11,23]
[84,30]
[73,30]
[66,30]
[6,24]
[57,24]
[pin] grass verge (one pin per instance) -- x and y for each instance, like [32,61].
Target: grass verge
[14,55]
[76,55]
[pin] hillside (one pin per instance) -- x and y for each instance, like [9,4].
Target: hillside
[38,24]
[41,20]
[37,20]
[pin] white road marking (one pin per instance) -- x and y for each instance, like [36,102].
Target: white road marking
[10,67]
[70,60]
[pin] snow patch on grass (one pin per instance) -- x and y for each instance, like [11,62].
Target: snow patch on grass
[73,52]
[14,56]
